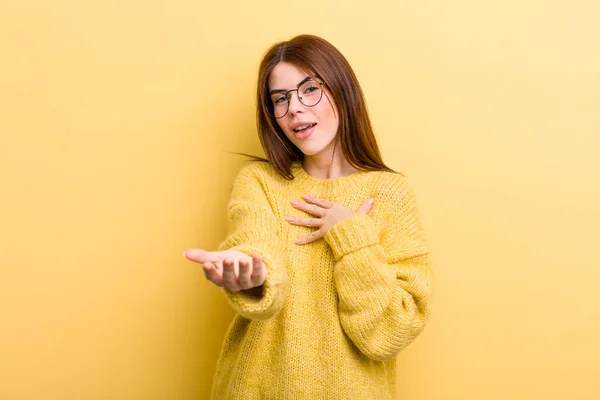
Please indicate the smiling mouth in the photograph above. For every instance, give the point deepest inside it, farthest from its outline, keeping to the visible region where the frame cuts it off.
(304, 127)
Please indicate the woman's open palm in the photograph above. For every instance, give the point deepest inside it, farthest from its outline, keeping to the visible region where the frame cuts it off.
(230, 269)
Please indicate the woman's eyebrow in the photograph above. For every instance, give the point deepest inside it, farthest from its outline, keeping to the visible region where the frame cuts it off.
(285, 90)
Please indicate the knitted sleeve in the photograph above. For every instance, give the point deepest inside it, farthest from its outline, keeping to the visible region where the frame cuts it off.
(383, 277)
(254, 229)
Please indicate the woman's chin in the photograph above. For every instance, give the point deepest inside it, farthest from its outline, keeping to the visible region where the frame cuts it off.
(310, 150)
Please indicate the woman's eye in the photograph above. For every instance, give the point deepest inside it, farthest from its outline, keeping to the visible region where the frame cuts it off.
(310, 89)
(279, 100)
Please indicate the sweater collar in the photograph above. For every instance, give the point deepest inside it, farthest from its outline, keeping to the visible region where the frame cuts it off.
(332, 185)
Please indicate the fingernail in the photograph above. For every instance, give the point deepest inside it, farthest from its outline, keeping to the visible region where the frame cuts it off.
(295, 202)
(371, 201)
(289, 219)
(184, 253)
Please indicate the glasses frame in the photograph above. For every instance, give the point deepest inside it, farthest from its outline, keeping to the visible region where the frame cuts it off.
(289, 97)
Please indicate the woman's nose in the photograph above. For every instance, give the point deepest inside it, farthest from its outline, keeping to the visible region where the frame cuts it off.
(295, 103)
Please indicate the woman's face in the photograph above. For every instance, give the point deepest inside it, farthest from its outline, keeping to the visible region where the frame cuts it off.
(318, 139)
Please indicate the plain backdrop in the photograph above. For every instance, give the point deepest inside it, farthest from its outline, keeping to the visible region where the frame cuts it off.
(117, 120)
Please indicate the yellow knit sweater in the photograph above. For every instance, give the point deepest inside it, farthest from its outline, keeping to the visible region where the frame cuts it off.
(332, 314)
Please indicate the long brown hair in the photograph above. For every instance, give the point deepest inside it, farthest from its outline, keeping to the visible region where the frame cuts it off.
(355, 133)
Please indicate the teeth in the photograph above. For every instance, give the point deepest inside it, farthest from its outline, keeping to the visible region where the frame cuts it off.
(301, 128)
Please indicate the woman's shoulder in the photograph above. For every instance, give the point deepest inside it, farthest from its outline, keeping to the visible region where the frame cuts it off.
(256, 173)
(256, 169)
(388, 181)
(392, 191)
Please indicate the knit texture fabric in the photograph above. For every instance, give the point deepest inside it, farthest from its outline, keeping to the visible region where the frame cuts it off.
(332, 314)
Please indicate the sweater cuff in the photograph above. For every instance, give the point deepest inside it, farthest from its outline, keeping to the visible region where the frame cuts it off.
(246, 302)
(352, 234)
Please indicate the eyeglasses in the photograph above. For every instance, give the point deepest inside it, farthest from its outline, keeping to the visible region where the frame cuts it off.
(309, 93)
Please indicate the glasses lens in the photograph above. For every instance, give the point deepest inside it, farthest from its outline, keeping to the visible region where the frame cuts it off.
(279, 105)
(310, 93)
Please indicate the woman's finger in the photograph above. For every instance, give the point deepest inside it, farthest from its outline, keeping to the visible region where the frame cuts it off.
(318, 201)
(310, 222)
(259, 271)
(207, 266)
(244, 280)
(366, 206)
(309, 208)
(201, 256)
(310, 237)
(211, 273)
(229, 279)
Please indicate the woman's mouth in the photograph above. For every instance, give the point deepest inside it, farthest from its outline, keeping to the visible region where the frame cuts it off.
(304, 131)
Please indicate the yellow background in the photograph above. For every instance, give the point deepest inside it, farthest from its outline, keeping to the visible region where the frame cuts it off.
(116, 119)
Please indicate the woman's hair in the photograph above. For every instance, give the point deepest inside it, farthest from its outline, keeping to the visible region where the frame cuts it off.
(317, 56)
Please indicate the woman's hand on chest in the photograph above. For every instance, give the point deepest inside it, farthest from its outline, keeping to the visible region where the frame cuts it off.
(326, 214)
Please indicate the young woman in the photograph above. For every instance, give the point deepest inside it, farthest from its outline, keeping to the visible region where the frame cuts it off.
(325, 261)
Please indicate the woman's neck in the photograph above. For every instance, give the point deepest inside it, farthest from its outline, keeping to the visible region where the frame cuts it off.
(327, 168)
